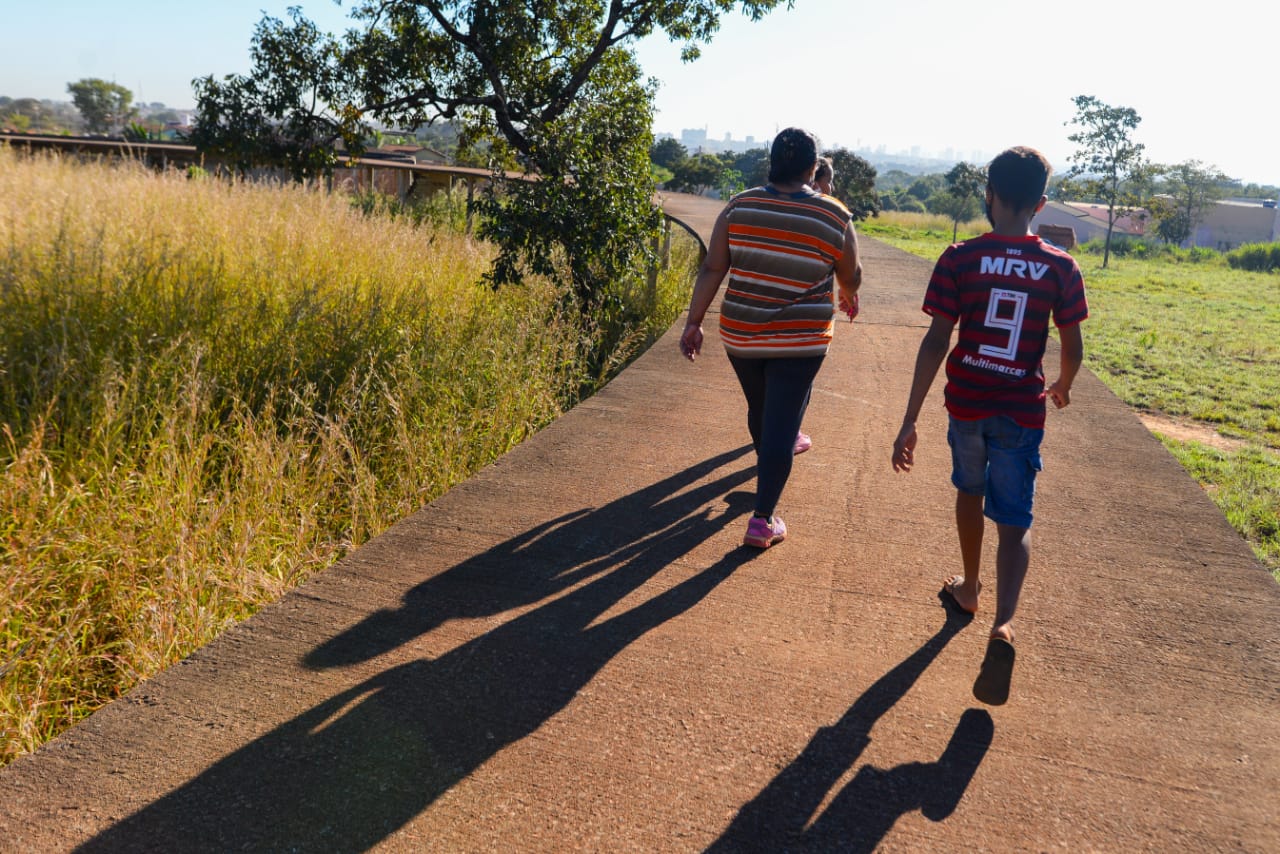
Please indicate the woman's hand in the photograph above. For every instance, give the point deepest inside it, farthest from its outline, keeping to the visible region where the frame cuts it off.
(691, 340)
(849, 303)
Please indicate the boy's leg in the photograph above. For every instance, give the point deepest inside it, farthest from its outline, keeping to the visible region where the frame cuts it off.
(970, 526)
(1011, 486)
(969, 476)
(1013, 556)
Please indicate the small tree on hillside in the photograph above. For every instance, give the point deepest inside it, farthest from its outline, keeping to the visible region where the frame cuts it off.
(1107, 155)
(962, 200)
(102, 105)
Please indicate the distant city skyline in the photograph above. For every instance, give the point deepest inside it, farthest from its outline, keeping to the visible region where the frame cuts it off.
(695, 139)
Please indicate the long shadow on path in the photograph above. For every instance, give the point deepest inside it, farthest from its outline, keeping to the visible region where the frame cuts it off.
(546, 560)
(353, 769)
(785, 815)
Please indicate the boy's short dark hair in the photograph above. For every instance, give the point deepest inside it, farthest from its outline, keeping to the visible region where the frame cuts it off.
(1019, 176)
(793, 153)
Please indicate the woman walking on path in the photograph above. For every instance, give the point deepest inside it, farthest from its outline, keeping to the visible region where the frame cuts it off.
(784, 247)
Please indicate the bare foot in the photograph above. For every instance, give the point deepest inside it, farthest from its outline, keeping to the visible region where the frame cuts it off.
(1005, 632)
(966, 599)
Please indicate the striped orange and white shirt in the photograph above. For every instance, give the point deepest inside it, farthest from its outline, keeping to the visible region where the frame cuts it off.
(783, 248)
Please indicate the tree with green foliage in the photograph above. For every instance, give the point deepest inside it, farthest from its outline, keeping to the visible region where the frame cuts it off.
(17, 121)
(967, 181)
(955, 207)
(925, 186)
(549, 84)
(752, 165)
(1256, 191)
(668, 152)
(698, 174)
(593, 200)
(894, 179)
(102, 105)
(855, 183)
(1190, 190)
(1107, 155)
(963, 197)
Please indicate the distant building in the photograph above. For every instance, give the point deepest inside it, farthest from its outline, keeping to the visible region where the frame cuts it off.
(1227, 225)
(1231, 224)
(1090, 221)
(693, 139)
(415, 153)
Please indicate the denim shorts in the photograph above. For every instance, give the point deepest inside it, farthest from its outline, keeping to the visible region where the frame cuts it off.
(998, 458)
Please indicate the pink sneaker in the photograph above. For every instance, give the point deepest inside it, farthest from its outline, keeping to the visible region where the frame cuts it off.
(803, 443)
(763, 533)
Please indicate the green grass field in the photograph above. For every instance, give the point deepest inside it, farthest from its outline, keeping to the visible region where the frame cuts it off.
(1185, 336)
(210, 391)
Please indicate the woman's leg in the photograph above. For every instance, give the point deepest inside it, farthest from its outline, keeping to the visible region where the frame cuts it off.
(787, 383)
(751, 376)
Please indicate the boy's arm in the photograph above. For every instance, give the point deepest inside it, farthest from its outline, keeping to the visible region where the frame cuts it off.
(933, 349)
(1072, 357)
(710, 274)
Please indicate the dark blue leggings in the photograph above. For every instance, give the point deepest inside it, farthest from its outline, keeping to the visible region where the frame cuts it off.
(777, 393)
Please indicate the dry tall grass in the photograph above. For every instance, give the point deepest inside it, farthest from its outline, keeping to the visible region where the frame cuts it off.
(209, 391)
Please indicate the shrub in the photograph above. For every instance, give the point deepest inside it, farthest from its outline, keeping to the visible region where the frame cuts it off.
(136, 132)
(1257, 257)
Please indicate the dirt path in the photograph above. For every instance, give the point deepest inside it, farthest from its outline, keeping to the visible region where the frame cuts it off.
(571, 652)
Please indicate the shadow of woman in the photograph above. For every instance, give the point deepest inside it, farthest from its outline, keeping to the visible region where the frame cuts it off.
(351, 770)
(784, 816)
(545, 560)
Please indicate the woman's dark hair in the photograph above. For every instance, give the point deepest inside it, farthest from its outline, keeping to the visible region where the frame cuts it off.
(792, 155)
(1019, 176)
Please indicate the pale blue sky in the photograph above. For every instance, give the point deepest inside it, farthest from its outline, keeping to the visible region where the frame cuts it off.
(937, 74)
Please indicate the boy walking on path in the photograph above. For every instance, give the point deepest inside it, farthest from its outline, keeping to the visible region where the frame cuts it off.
(1002, 288)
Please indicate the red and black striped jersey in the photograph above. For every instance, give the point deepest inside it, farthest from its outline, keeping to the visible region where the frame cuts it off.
(1003, 292)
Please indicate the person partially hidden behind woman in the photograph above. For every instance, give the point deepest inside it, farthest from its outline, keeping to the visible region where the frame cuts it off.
(824, 182)
(824, 176)
(785, 248)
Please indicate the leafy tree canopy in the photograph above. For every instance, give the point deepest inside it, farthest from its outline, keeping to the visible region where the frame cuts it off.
(925, 186)
(967, 181)
(101, 104)
(962, 199)
(668, 152)
(508, 68)
(698, 174)
(752, 165)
